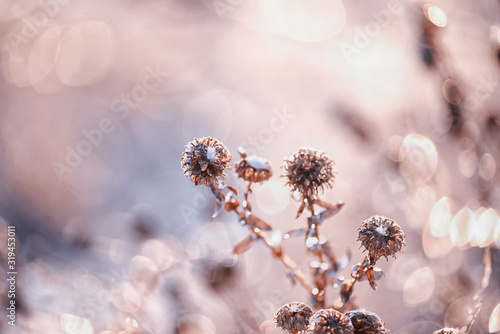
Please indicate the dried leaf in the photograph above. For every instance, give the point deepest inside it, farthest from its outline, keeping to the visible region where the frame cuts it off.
(218, 208)
(346, 291)
(232, 189)
(354, 269)
(378, 273)
(371, 278)
(301, 209)
(333, 207)
(355, 274)
(219, 196)
(373, 275)
(330, 276)
(231, 202)
(330, 210)
(344, 261)
(326, 249)
(231, 206)
(255, 221)
(244, 245)
(322, 216)
(295, 233)
(311, 221)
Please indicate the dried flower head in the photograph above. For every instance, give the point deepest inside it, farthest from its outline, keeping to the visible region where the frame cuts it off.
(447, 331)
(293, 317)
(330, 321)
(381, 236)
(204, 160)
(366, 322)
(309, 170)
(253, 168)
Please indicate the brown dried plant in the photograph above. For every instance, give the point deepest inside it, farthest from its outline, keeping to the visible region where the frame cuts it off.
(307, 171)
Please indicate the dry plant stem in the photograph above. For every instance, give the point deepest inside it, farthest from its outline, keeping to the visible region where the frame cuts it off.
(277, 253)
(343, 305)
(359, 273)
(485, 281)
(316, 219)
(313, 231)
(319, 280)
(246, 204)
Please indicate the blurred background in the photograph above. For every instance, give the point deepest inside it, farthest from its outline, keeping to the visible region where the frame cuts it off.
(99, 98)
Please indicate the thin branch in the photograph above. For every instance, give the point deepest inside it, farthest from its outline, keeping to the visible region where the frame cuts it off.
(485, 281)
(247, 217)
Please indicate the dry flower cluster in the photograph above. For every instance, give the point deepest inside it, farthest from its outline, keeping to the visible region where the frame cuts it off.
(307, 171)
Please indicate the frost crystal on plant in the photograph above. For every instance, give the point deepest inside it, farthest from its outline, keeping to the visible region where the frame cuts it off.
(204, 160)
(293, 317)
(308, 171)
(381, 236)
(330, 321)
(253, 168)
(366, 322)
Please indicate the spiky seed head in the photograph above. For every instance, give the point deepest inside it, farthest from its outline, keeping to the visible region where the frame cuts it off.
(329, 321)
(308, 171)
(381, 236)
(366, 322)
(293, 317)
(205, 160)
(253, 168)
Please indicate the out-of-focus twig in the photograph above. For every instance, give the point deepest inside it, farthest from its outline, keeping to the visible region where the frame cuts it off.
(485, 281)
(255, 225)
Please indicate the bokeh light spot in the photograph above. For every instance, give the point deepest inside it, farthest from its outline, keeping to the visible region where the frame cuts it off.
(72, 324)
(452, 91)
(440, 218)
(462, 227)
(419, 287)
(208, 112)
(305, 20)
(418, 157)
(144, 272)
(195, 323)
(435, 247)
(84, 54)
(485, 227)
(435, 14)
(468, 162)
(487, 167)
(459, 312)
(272, 197)
(494, 323)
